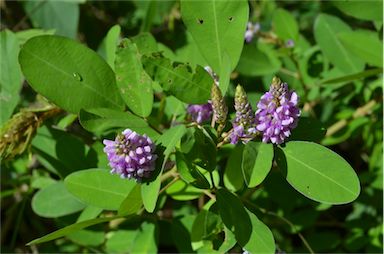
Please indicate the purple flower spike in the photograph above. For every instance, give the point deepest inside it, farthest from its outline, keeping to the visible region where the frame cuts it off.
(200, 113)
(277, 112)
(131, 155)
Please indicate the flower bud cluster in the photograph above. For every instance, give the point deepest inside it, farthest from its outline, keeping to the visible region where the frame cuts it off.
(131, 155)
(243, 126)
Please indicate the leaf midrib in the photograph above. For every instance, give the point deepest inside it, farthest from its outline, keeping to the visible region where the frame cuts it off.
(321, 174)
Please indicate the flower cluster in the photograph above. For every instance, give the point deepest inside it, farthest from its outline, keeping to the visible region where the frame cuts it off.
(243, 126)
(252, 30)
(200, 113)
(131, 155)
(277, 112)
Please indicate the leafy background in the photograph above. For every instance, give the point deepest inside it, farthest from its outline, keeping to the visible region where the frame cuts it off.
(335, 65)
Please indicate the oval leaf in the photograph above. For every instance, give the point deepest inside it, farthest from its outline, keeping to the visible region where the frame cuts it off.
(99, 188)
(69, 74)
(55, 201)
(318, 173)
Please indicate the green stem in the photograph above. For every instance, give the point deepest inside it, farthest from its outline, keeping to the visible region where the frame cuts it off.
(213, 182)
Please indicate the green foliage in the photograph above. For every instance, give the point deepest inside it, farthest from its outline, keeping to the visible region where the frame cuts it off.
(60, 100)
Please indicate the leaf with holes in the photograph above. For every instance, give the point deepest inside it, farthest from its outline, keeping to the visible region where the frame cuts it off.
(179, 80)
(133, 82)
(217, 27)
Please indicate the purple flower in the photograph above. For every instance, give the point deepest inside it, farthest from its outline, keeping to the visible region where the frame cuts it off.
(277, 113)
(200, 113)
(131, 155)
(251, 31)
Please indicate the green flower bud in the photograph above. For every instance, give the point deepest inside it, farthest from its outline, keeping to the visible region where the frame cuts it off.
(220, 109)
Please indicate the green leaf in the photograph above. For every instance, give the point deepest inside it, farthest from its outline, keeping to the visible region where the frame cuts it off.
(69, 74)
(217, 27)
(199, 149)
(63, 16)
(205, 224)
(10, 78)
(102, 120)
(99, 188)
(181, 237)
(133, 82)
(318, 173)
(364, 44)
(55, 201)
(132, 203)
(178, 79)
(150, 191)
(234, 216)
(327, 28)
(261, 237)
(366, 10)
(180, 190)
(285, 25)
(258, 59)
(256, 163)
(145, 240)
(107, 48)
(146, 43)
(352, 77)
(121, 241)
(233, 179)
(189, 173)
(70, 229)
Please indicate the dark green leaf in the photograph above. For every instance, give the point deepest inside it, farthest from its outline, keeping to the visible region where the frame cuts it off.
(189, 173)
(234, 216)
(256, 163)
(308, 129)
(69, 74)
(233, 177)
